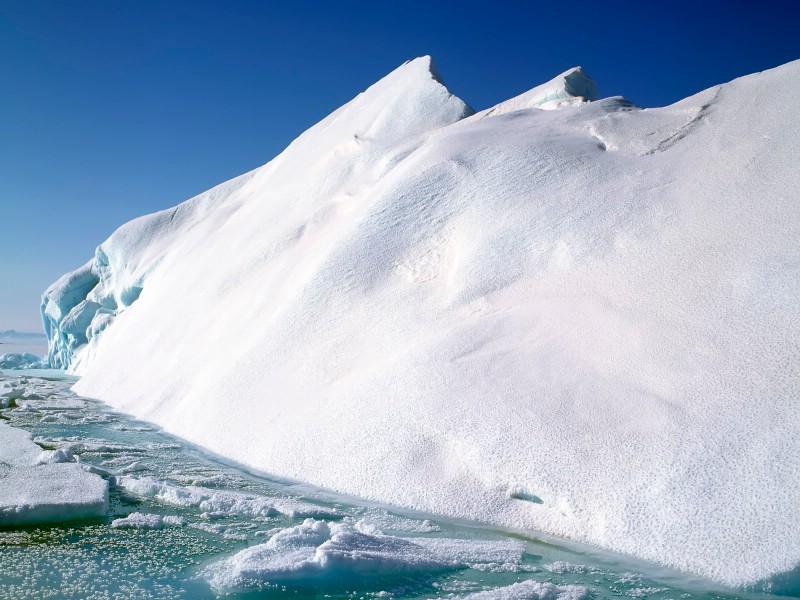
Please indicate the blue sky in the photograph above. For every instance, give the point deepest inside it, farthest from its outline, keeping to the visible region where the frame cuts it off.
(115, 109)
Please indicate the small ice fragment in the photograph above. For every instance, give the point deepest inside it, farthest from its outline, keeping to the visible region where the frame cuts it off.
(148, 521)
(533, 590)
(62, 455)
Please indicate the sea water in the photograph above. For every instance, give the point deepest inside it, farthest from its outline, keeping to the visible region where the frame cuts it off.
(185, 524)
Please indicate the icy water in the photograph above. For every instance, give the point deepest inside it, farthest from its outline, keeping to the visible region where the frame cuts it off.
(185, 524)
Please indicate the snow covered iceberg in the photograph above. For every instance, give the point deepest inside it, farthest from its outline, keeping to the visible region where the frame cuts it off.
(584, 321)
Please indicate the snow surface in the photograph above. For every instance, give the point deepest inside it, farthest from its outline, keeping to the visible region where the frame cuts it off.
(583, 321)
(44, 486)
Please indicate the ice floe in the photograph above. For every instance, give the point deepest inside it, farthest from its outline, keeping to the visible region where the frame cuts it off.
(217, 503)
(37, 489)
(533, 590)
(341, 552)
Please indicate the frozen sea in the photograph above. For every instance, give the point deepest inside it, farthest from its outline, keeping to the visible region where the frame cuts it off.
(182, 523)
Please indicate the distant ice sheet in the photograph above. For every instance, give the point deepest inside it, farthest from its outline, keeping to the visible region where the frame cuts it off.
(18, 342)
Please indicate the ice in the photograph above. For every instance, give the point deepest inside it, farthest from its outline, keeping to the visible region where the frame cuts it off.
(61, 455)
(55, 489)
(341, 552)
(571, 88)
(218, 503)
(21, 344)
(582, 321)
(533, 590)
(148, 521)
(387, 522)
(9, 393)
(24, 360)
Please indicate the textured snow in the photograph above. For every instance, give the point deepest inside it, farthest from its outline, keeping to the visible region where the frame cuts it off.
(324, 549)
(582, 321)
(44, 487)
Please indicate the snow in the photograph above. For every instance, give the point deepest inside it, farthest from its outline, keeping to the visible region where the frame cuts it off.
(44, 487)
(342, 551)
(582, 321)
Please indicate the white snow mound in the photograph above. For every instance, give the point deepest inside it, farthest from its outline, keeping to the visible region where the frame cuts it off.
(583, 321)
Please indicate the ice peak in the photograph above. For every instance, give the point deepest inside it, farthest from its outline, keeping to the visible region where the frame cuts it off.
(409, 101)
(422, 68)
(433, 69)
(577, 84)
(572, 87)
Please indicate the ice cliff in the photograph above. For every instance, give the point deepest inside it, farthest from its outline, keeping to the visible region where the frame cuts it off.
(583, 321)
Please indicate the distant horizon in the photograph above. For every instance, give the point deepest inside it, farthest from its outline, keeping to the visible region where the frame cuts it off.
(118, 111)
(8, 332)
(21, 342)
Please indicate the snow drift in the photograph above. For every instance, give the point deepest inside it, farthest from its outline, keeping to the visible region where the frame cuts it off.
(583, 321)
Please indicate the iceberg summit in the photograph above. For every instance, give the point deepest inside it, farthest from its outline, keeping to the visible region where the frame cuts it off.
(564, 314)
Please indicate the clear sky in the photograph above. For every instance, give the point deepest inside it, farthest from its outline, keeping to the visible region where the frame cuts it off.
(115, 109)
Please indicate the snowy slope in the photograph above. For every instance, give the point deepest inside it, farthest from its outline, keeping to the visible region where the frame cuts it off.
(583, 321)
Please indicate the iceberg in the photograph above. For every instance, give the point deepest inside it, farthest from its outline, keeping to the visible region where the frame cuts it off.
(21, 360)
(564, 314)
